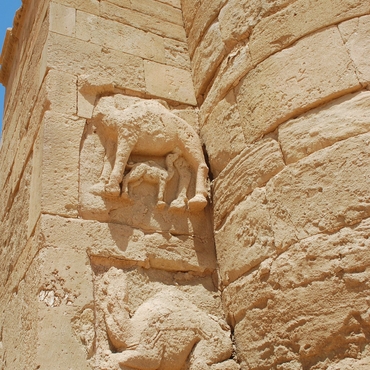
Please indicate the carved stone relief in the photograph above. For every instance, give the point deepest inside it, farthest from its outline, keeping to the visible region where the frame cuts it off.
(140, 160)
(158, 329)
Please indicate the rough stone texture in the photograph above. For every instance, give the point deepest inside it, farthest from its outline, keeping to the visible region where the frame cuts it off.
(293, 80)
(324, 126)
(300, 18)
(307, 308)
(304, 196)
(356, 35)
(116, 250)
(225, 122)
(255, 165)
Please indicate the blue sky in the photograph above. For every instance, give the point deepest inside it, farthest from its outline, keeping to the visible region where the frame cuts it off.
(8, 9)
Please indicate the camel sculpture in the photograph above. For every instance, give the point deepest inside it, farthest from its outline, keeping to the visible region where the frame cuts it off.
(151, 172)
(166, 332)
(146, 128)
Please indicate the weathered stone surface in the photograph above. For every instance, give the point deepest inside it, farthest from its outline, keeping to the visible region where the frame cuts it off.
(176, 53)
(299, 19)
(158, 10)
(169, 82)
(62, 19)
(291, 81)
(158, 250)
(252, 168)
(308, 308)
(100, 66)
(141, 21)
(205, 15)
(246, 238)
(107, 242)
(237, 19)
(323, 126)
(64, 290)
(120, 37)
(232, 69)
(189, 10)
(60, 165)
(303, 197)
(207, 58)
(356, 34)
(14, 212)
(61, 92)
(90, 6)
(224, 122)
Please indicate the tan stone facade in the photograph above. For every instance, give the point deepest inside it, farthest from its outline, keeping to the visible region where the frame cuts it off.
(117, 252)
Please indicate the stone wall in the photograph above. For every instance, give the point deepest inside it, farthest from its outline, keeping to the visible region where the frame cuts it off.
(100, 273)
(284, 104)
(82, 268)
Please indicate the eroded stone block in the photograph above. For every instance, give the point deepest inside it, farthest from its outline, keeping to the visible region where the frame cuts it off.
(60, 164)
(246, 238)
(62, 19)
(169, 82)
(97, 64)
(356, 34)
(222, 134)
(207, 58)
(300, 18)
(291, 81)
(306, 304)
(323, 126)
(252, 168)
(321, 193)
(120, 37)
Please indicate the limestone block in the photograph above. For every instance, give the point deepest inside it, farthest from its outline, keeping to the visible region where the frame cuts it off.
(237, 19)
(304, 197)
(246, 238)
(19, 318)
(159, 250)
(142, 21)
(15, 154)
(305, 305)
(356, 34)
(65, 295)
(281, 29)
(176, 53)
(232, 69)
(36, 183)
(169, 82)
(252, 168)
(99, 65)
(90, 6)
(62, 19)
(222, 134)
(158, 10)
(321, 127)
(120, 37)
(291, 81)
(60, 166)
(206, 14)
(189, 10)
(61, 92)
(15, 206)
(207, 58)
